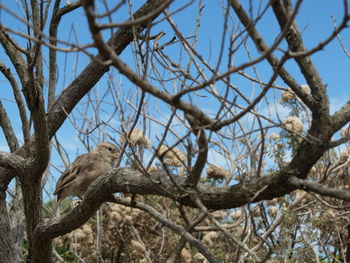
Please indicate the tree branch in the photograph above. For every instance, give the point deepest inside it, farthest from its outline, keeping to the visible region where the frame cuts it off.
(15, 56)
(7, 129)
(176, 228)
(95, 70)
(12, 162)
(55, 20)
(132, 181)
(341, 117)
(7, 244)
(319, 188)
(19, 101)
(272, 59)
(307, 67)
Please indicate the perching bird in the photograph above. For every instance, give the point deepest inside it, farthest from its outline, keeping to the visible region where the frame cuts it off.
(77, 178)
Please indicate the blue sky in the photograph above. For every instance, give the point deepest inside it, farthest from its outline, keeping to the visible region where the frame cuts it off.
(314, 20)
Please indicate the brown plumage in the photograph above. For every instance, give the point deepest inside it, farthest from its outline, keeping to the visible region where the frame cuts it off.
(76, 179)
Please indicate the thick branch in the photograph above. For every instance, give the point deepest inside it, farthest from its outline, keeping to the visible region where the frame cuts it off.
(12, 162)
(305, 63)
(195, 174)
(131, 181)
(34, 97)
(319, 188)
(7, 244)
(320, 131)
(341, 117)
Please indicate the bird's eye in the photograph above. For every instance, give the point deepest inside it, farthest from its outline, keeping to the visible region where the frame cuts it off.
(110, 149)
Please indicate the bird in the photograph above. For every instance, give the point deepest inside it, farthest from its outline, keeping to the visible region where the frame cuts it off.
(86, 168)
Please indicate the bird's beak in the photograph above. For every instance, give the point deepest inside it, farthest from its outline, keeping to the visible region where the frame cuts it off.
(115, 155)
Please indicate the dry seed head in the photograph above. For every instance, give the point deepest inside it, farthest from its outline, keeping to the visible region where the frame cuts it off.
(235, 215)
(219, 214)
(256, 211)
(287, 95)
(58, 242)
(210, 237)
(186, 255)
(272, 202)
(273, 211)
(275, 137)
(128, 219)
(87, 229)
(138, 246)
(153, 169)
(300, 194)
(345, 131)
(200, 258)
(216, 172)
(306, 89)
(80, 235)
(344, 156)
(137, 138)
(293, 123)
(173, 156)
(115, 216)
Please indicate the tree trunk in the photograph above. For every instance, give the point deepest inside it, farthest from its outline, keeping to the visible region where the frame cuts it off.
(7, 245)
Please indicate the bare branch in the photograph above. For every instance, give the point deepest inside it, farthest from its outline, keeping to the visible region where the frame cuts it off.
(15, 56)
(305, 63)
(262, 46)
(93, 72)
(319, 188)
(341, 117)
(20, 103)
(55, 20)
(7, 129)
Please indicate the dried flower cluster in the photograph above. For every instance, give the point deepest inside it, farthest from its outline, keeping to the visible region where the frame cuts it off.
(293, 123)
(216, 172)
(186, 256)
(344, 156)
(288, 94)
(219, 214)
(275, 137)
(81, 241)
(236, 215)
(200, 258)
(345, 131)
(153, 169)
(210, 238)
(172, 156)
(137, 138)
(273, 210)
(138, 249)
(122, 214)
(306, 89)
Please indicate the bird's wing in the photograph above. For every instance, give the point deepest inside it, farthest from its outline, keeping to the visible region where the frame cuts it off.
(83, 164)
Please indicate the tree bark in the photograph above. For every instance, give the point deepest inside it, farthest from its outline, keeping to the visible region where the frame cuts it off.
(7, 244)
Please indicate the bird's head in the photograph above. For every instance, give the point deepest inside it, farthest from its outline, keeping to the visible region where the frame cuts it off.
(108, 149)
